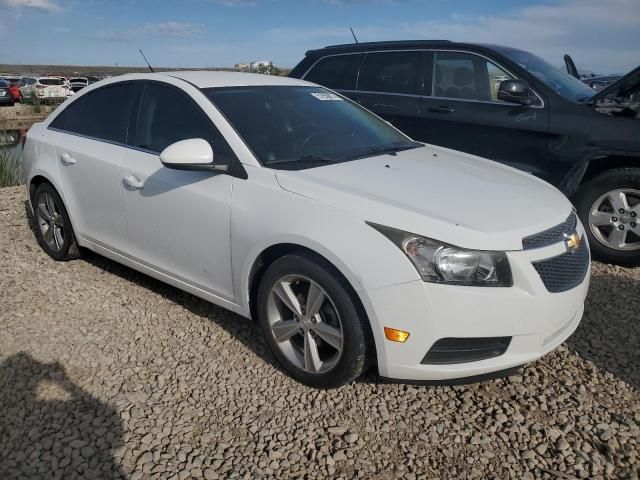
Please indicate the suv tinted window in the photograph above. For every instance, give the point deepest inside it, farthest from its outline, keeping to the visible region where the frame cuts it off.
(103, 114)
(467, 76)
(168, 115)
(337, 72)
(392, 72)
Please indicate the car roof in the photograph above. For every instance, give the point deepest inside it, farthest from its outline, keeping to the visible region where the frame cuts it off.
(398, 44)
(209, 79)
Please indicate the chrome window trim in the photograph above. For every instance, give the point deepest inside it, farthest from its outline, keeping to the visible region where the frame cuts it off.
(431, 50)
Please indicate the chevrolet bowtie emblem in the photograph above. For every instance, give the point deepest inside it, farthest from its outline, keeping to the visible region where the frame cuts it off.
(573, 241)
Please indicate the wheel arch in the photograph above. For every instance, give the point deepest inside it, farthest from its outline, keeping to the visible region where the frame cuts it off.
(606, 161)
(276, 251)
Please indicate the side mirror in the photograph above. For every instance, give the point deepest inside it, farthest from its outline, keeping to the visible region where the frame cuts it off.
(515, 91)
(190, 154)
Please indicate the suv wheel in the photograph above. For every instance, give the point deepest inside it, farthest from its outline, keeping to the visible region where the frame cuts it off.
(52, 225)
(310, 321)
(609, 207)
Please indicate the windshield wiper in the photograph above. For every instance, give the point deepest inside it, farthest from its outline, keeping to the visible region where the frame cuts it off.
(392, 148)
(305, 159)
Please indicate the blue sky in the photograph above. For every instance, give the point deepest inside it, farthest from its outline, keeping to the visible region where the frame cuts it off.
(601, 35)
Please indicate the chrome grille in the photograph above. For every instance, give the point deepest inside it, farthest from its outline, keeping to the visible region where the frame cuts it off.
(565, 271)
(551, 236)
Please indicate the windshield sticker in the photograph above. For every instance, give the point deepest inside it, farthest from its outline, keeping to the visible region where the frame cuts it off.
(326, 96)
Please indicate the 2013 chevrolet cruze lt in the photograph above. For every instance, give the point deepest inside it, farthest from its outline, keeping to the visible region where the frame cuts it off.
(280, 200)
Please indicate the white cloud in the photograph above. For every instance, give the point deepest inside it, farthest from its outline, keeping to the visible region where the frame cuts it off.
(48, 6)
(601, 36)
(151, 30)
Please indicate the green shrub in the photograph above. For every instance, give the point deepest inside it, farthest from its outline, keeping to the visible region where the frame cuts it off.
(10, 167)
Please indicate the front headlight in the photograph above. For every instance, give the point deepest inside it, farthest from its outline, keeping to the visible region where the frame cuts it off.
(439, 262)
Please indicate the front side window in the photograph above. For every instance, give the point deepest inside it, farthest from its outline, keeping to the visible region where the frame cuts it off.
(296, 127)
(102, 114)
(337, 72)
(560, 82)
(168, 115)
(467, 76)
(389, 72)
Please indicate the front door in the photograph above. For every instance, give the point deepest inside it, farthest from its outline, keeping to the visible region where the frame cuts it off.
(177, 221)
(463, 113)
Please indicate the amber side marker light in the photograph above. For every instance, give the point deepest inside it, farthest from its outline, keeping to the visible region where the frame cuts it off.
(396, 335)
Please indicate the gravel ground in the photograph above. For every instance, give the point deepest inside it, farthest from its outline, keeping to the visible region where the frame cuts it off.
(106, 373)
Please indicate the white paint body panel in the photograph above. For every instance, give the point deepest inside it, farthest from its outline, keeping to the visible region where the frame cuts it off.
(203, 231)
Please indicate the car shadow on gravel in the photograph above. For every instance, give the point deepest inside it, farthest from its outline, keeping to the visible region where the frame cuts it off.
(609, 334)
(50, 427)
(245, 330)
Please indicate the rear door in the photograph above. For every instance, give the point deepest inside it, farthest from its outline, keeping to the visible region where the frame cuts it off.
(178, 222)
(462, 112)
(89, 138)
(390, 84)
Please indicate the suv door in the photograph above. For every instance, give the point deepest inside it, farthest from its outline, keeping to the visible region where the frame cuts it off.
(463, 112)
(177, 221)
(89, 138)
(390, 84)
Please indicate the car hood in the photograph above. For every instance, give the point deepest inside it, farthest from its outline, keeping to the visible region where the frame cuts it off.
(438, 193)
(625, 86)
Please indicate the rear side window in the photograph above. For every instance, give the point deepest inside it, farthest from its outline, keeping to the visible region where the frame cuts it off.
(168, 115)
(50, 81)
(103, 114)
(337, 72)
(389, 72)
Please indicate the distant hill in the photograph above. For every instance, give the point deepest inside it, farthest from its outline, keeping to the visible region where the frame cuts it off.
(82, 70)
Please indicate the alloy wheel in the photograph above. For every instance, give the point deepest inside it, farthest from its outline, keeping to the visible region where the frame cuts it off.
(305, 324)
(50, 221)
(614, 219)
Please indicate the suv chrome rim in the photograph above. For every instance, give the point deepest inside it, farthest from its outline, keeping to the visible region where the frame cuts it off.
(50, 221)
(305, 324)
(613, 219)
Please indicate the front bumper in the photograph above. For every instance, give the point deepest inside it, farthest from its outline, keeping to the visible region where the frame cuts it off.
(537, 320)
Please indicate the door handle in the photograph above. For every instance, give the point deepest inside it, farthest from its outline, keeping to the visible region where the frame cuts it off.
(442, 109)
(67, 159)
(133, 182)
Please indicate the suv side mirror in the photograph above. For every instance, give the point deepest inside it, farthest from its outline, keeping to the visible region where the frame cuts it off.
(190, 154)
(515, 91)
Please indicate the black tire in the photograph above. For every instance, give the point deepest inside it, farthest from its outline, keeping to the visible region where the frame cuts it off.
(69, 249)
(588, 194)
(353, 358)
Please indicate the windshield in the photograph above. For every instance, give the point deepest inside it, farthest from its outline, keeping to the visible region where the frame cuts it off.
(561, 82)
(293, 127)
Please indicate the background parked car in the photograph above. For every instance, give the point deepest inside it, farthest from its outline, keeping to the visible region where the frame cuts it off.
(598, 83)
(5, 94)
(44, 88)
(93, 79)
(78, 83)
(539, 119)
(14, 87)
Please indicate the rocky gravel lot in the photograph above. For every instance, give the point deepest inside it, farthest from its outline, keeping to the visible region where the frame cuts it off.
(106, 373)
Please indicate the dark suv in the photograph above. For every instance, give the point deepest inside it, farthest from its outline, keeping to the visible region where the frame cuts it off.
(510, 106)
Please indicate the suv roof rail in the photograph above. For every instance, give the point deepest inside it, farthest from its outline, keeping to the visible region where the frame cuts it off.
(386, 42)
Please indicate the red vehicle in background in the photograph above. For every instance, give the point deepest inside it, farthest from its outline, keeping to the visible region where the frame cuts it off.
(14, 87)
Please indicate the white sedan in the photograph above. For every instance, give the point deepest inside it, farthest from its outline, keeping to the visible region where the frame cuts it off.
(353, 246)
